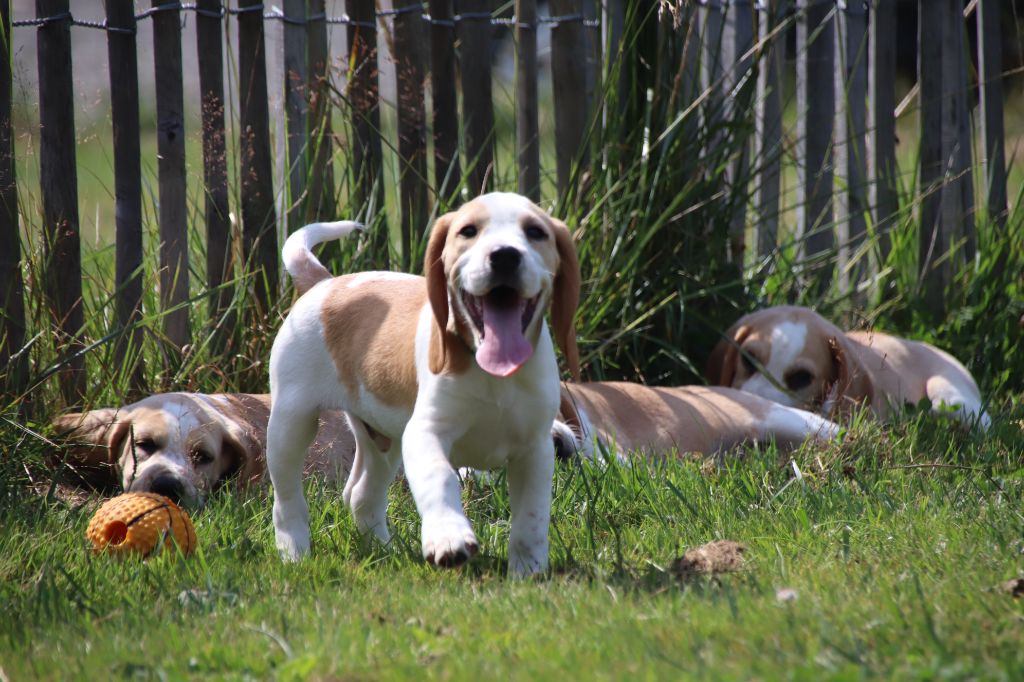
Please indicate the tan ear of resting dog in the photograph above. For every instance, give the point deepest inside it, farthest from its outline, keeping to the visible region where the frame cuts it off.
(185, 445)
(618, 417)
(794, 356)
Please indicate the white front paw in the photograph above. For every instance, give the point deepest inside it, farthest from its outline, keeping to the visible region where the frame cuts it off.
(292, 545)
(448, 542)
(292, 533)
(524, 559)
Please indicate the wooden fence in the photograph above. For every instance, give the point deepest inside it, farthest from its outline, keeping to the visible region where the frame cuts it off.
(844, 138)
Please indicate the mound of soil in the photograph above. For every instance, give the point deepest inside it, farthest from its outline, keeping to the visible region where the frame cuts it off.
(720, 556)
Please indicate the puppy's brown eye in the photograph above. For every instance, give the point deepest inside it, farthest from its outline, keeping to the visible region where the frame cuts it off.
(748, 364)
(468, 231)
(535, 233)
(798, 379)
(200, 457)
(146, 445)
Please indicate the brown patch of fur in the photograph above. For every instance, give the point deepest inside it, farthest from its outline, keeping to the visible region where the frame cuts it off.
(370, 332)
(722, 365)
(449, 354)
(852, 380)
(720, 556)
(566, 297)
(437, 292)
(687, 418)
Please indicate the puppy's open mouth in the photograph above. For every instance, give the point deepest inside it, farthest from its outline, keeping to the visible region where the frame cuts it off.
(500, 318)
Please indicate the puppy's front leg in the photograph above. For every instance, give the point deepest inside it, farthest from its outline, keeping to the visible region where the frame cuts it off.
(289, 433)
(448, 539)
(529, 489)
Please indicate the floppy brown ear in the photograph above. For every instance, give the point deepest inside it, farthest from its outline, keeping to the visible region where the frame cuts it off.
(852, 385)
(437, 288)
(91, 441)
(566, 297)
(721, 367)
(246, 459)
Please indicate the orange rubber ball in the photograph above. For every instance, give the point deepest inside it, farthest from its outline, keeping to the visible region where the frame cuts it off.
(140, 524)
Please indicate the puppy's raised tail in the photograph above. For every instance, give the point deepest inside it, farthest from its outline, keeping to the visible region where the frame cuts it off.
(299, 261)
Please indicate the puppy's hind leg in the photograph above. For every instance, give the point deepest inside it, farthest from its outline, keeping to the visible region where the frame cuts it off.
(289, 434)
(366, 492)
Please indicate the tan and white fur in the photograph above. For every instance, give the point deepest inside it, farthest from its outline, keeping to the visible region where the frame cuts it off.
(618, 419)
(794, 356)
(185, 445)
(454, 369)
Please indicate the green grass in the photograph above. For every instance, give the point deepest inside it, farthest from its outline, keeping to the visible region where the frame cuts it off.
(895, 543)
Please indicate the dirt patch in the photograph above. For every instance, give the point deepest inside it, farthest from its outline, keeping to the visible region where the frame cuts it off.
(720, 556)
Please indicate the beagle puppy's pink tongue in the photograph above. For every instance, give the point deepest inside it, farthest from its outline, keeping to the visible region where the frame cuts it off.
(504, 348)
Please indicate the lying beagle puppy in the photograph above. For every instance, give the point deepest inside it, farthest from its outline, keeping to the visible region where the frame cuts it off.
(454, 369)
(185, 445)
(796, 357)
(622, 418)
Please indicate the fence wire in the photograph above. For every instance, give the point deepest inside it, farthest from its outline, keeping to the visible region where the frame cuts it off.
(276, 14)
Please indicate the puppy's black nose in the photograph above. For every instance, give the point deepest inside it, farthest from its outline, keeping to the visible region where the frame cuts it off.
(168, 486)
(505, 260)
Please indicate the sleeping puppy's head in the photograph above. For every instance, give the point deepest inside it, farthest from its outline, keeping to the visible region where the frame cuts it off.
(493, 268)
(176, 444)
(793, 356)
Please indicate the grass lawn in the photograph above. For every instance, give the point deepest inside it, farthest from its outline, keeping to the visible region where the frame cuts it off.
(885, 557)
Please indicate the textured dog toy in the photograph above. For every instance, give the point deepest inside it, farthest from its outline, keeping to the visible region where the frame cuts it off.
(138, 523)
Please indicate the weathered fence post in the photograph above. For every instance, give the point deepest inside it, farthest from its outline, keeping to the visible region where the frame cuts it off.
(957, 130)
(259, 229)
(990, 78)
(527, 128)
(124, 103)
(364, 100)
(592, 40)
(219, 252)
(445, 115)
(477, 104)
(881, 124)
(568, 79)
(768, 132)
(728, 39)
(712, 19)
(613, 24)
(410, 53)
(170, 127)
(850, 196)
(934, 241)
(320, 202)
(946, 188)
(59, 187)
(296, 105)
(12, 302)
(815, 110)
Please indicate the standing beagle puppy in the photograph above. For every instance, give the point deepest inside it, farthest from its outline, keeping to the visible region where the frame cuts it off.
(621, 418)
(794, 356)
(454, 369)
(185, 445)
